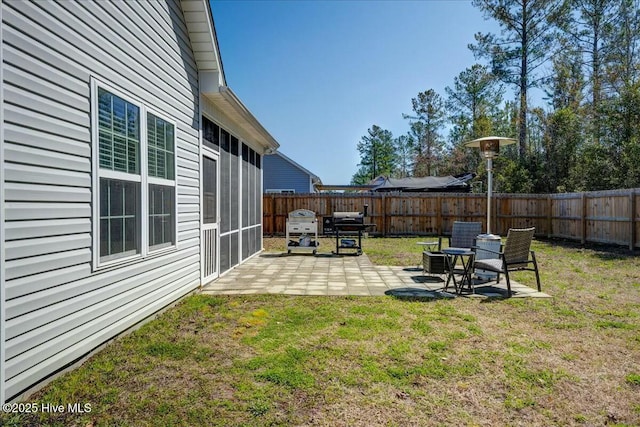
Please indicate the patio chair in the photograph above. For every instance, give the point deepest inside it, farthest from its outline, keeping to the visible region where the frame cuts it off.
(463, 236)
(514, 256)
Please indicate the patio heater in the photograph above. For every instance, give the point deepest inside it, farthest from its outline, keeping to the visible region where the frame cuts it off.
(489, 148)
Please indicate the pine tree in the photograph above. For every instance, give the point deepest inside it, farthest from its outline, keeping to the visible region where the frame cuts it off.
(377, 155)
(523, 46)
(426, 123)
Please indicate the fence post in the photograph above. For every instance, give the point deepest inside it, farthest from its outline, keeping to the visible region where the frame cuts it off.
(494, 213)
(384, 215)
(632, 219)
(273, 214)
(439, 214)
(584, 218)
(549, 218)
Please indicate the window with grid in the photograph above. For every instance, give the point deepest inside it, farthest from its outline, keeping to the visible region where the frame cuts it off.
(136, 179)
(120, 179)
(161, 161)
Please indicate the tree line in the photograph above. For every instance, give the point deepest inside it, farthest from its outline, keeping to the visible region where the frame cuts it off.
(585, 57)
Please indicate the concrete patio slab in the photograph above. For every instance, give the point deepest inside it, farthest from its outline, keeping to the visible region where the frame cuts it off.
(323, 274)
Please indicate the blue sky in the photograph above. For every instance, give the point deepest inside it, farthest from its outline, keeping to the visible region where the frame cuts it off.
(318, 74)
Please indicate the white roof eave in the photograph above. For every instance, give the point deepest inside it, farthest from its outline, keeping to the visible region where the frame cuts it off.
(213, 86)
(225, 99)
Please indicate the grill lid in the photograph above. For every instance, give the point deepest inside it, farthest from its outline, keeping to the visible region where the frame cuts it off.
(302, 215)
(348, 218)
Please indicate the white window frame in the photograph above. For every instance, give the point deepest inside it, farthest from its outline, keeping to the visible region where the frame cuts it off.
(162, 181)
(144, 179)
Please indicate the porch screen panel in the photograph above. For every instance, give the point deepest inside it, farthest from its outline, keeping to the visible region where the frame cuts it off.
(255, 239)
(245, 186)
(252, 186)
(225, 259)
(257, 206)
(210, 134)
(209, 189)
(235, 185)
(252, 236)
(225, 183)
(259, 237)
(235, 248)
(245, 244)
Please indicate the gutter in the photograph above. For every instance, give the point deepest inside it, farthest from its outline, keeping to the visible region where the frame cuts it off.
(235, 102)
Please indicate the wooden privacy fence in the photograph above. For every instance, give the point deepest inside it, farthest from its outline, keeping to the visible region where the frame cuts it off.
(598, 216)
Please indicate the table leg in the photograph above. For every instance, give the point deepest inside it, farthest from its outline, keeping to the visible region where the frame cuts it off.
(451, 274)
(466, 276)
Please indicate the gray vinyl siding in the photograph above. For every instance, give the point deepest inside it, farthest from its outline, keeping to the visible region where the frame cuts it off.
(57, 306)
(279, 174)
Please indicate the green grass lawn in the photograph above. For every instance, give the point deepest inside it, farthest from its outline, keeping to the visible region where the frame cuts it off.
(266, 360)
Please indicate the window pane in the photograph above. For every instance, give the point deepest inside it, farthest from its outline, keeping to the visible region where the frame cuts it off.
(130, 235)
(169, 164)
(118, 133)
(151, 130)
(106, 150)
(132, 157)
(157, 232)
(153, 170)
(131, 201)
(160, 135)
(119, 116)
(119, 218)
(116, 239)
(168, 136)
(104, 198)
(116, 202)
(104, 242)
(133, 119)
(104, 108)
(161, 170)
(161, 215)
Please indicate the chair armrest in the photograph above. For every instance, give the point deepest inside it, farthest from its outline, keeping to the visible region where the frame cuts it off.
(476, 248)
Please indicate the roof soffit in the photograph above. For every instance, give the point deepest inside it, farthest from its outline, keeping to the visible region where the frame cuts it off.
(204, 43)
(202, 33)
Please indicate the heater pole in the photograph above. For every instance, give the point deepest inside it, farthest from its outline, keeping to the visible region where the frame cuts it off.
(489, 190)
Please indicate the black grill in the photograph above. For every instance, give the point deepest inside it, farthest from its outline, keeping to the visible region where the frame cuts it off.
(347, 223)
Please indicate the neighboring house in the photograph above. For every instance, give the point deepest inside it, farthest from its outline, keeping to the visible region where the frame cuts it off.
(283, 175)
(431, 184)
(131, 174)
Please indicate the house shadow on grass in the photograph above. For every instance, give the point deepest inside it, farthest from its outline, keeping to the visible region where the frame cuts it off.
(604, 251)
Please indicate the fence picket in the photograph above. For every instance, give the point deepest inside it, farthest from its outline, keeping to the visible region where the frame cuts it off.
(597, 216)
